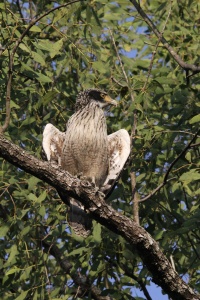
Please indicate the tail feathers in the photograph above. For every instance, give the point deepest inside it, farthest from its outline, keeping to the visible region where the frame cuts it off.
(78, 219)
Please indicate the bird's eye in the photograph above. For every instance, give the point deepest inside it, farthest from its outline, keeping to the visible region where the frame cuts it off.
(103, 95)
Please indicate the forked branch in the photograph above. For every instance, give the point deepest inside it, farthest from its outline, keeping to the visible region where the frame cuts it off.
(187, 67)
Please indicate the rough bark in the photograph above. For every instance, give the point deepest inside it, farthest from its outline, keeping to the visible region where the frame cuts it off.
(148, 249)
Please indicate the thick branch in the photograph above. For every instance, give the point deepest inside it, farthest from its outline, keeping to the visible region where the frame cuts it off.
(162, 272)
(187, 67)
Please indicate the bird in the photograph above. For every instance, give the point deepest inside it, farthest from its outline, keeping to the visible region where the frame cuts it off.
(87, 151)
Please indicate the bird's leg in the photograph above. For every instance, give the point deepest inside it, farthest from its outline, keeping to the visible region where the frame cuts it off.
(91, 180)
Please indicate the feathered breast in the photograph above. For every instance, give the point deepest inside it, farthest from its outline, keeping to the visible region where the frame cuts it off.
(85, 149)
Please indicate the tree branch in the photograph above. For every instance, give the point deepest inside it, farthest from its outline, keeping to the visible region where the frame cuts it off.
(178, 157)
(155, 190)
(166, 180)
(187, 67)
(147, 248)
(85, 287)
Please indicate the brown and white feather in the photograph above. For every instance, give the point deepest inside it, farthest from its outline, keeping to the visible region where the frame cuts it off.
(87, 151)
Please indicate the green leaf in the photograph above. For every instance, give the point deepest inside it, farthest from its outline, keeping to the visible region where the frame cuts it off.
(22, 296)
(37, 57)
(43, 45)
(56, 47)
(34, 28)
(3, 230)
(24, 48)
(80, 251)
(13, 104)
(42, 197)
(32, 197)
(32, 182)
(13, 253)
(25, 230)
(195, 119)
(2, 6)
(97, 232)
(42, 211)
(192, 175)
(12, 271)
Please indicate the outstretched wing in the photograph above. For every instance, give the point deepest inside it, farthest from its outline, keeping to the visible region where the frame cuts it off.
(119, 150)
(52, 143)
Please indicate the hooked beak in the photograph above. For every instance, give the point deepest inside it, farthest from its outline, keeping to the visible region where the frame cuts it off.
(109, 101)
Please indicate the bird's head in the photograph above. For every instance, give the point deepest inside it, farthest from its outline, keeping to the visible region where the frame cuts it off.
(94, 95)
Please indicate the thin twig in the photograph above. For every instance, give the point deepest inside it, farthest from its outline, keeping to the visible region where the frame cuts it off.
(133, 133)
(179, 156)
(156, 47)
(31, 9)
(187, 67)
(156, 190)
(8, 90)
(20, 12)
(12, 55)
(121, 65)
(194, 145)
(165, 181)
(135, 198)
(116, 81)
(83, 283)
(128, 273)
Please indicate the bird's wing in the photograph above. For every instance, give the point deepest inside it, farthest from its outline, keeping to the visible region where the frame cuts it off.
(52, 143)
(119, 150)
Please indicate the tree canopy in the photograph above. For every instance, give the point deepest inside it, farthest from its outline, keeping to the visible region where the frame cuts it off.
(146, 55)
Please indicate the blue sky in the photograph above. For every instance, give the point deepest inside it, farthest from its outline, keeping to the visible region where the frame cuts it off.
(155, 292)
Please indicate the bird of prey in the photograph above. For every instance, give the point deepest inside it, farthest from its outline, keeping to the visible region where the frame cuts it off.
(86, 150)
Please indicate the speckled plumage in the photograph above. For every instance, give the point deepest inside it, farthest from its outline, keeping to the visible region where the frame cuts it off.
(87, 151)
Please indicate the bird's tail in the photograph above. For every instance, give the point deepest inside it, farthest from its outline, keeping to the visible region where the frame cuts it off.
(79, 220)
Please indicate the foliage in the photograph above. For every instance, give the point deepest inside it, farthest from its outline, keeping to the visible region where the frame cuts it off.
(70, 49)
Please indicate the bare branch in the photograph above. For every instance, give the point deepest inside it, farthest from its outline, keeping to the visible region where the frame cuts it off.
(147, 248)
(187, 67)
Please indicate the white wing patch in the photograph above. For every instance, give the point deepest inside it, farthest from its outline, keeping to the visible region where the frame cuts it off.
(119, 150)
(52, 143)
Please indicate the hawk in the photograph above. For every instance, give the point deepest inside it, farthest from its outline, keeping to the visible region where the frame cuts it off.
(85, 150)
